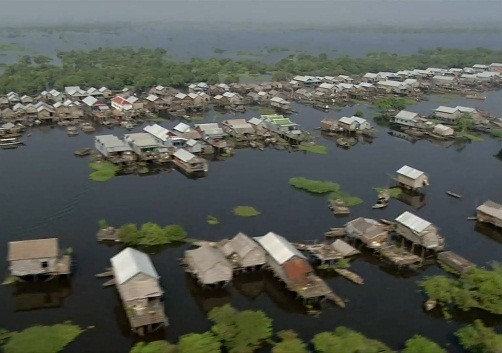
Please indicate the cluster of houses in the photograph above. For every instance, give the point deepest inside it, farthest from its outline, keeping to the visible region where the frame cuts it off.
(106, 106)
(352, 124)
(183, 143)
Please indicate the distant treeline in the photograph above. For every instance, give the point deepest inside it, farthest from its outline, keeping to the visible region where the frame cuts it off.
(143, 68)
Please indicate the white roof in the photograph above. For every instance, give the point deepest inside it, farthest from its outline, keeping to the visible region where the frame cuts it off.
(390, 83)
(406, 115)
(486, 74)
(443, 78)
(229, 94)
(448, 110)
(180, 96)
(159, 88)
(132, 99)
(370, 75)
(413, 222)
(255, 121)
(112, 143)
(279, 100)
(465, 109)
(191, 142)
(182, 127)
(158, 131)
(130, 262)
(409, 172)
(102, 89)
(278, 247)
(479, 66)
(442, 128)
(152, 98)
(89, 101)
(346, 120)
(327, 85)
(183, 155)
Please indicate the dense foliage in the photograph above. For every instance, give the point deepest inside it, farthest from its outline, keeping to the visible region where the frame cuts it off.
(199, 343)
(420, 344)
(290, 343)
(240, 331)
(246, 211)
(41, 339)
(314, 186)
(345, 340)
(478, 338)
(394, 103)
(154, 347)
(151, 234)
(479, 288)
(142, 68)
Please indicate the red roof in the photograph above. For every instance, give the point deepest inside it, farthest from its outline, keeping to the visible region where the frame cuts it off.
(121, 101)
(296, 270)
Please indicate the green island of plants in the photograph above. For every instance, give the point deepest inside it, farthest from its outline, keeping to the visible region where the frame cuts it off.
(40, 339)
(394, 103)
(479, 288)
(325, 187)
(151, 234)
(212, 220)
(393, 192)
(477, 338)
(246, 211)
(318, 149)
(103, 171)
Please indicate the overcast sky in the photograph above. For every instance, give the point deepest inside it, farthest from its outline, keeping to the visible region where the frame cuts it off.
(333, 12)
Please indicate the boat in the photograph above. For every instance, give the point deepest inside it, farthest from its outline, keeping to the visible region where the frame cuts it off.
(453, 194)
(475, 96)
(346, 142)
(83, 152)
(338, 207)
(71, 131)
(10, 143)
(87, 128)
(383, 200)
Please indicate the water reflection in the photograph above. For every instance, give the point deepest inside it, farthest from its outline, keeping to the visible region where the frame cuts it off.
(250, 284)
(41, 295)
(413, 199)
(205, 298)
(489, 231)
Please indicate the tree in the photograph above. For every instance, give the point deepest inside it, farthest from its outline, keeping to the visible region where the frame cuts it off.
(240, 332)
(478, 338)
(359, 113)
(344, 340)
(290, 343)
(175, 232)
(199, 343)
(420, 344)
(102, 224)
(154, 347)
(41, 60)
(128, 233)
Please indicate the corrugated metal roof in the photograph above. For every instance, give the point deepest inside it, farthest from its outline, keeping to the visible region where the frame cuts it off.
(33, 249)
(182, 127)
(412, 221)
(491, 208)
(129, 262)
(183, 155)
(278, 247)
(157, 131)
(404, 114)
(409, 172)
(448, 110)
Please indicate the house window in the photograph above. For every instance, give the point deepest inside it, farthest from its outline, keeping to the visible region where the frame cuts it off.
(44, 264)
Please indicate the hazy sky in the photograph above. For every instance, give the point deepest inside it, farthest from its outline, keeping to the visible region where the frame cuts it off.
(334, 12)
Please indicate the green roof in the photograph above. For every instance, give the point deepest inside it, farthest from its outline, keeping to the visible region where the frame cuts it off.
(282, 121)
(271, 117)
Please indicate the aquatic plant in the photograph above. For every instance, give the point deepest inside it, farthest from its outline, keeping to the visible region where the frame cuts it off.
(496, 133)
(319, 149)
(347, 199)
(393, 192)
(102, 224)
(314, 186)
(212, 220)
(397, 103)
(103, 171)
(477, 338)
(246, 211)
(42, 339)
(240, 331)
(345, 340)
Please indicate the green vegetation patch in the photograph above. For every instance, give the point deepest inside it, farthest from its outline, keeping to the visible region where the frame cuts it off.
(212, 220)
(151, 234)
(319, 149)
(477, 338)
(470, 136)
(199, 343)
(103, 171)
(42, 339)
(496, 133)
(154, 347)
(393, 192)
(397, 103)
(345, 340)
(246, 211)
(479, 288)
(240, 331)
(314, 186)
(420, 344)
(290, 343)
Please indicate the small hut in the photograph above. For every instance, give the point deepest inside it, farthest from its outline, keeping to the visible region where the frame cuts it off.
(243, 252)
(209, 265)
(138, 285)
(419, 231)
(37, 257)
(455, 261)
(490, 212)
(411, 178)
(367, 230)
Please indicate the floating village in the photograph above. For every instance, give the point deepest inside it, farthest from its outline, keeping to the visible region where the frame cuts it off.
(405, 242)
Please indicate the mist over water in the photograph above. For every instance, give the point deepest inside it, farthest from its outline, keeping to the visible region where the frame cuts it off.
(412, 13)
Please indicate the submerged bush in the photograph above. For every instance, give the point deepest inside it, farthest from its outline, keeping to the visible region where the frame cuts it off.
(103, 171)
(246, 211)
(151, 234)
